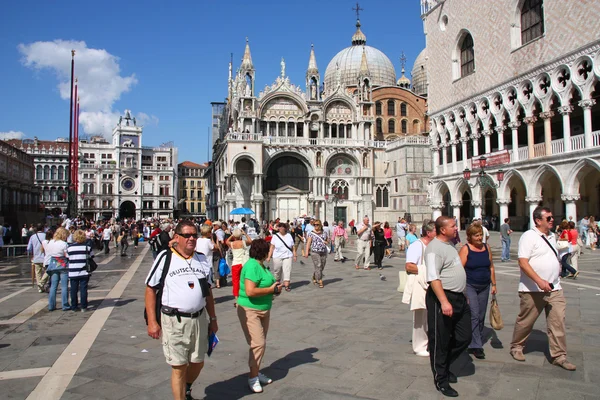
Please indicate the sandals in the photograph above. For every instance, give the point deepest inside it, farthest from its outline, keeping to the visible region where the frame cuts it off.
(288, 289)
(321, 284)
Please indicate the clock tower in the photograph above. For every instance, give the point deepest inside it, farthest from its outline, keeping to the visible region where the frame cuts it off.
(127, 142)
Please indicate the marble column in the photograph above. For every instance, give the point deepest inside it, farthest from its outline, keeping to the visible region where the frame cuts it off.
(570, 205)
(456, 212)
(268, 128)
(475, 136)
(533, 202)
(587, 121)
(464, 140)
(565, 111)
(547, 117)
(329, 130)
(503, 203)
(436, 159)
(277, 128)
(445, 158)
(477, 209)
(514, 127)
(530, 121)
(436, 210)
(454, 162)
(500, 132)
(488, 141)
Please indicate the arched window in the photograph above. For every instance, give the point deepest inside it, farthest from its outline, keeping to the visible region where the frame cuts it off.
(61, 173)
(39, 172)
(404, 126)
(382, 196)
(53, 194)
(416, 126)
(379, 126)
(53, 173)
(467, 56)
(391, 126)
(378, 201)
(532, 20)
(46, 172)
(110, 188)
(340, 188)
(378, 108)
(391, 108)
(91, 188)
(403, 110)
(386, 197)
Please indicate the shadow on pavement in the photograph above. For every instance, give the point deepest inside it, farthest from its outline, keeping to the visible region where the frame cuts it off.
(330, 281)
(491, 336)
(237, 387)
(538, 342)
(295, 285)
(115, 302)
(223, 299)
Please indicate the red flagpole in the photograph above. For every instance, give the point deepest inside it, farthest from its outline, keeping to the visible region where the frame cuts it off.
(74, 146)
(76, 152)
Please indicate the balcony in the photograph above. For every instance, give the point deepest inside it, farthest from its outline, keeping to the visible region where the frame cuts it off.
(302, 141)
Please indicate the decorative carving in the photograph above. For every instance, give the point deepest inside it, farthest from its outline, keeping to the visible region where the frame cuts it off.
(533, 199)
(500, 129)
(514, 124)
(565, 110)
(503, 202)
(464, 139)
(530, 120)
(570, 197)
(282, 67)
(456, 204)
(476, 203)
(588, 103)
(487, 133)
(434, 148)
(547, 115)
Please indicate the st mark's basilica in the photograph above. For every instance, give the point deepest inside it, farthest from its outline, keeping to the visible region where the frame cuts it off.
(350, 145)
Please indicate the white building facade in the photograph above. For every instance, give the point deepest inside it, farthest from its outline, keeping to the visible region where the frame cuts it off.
(324, 151)
(125, 179)
(517, 81)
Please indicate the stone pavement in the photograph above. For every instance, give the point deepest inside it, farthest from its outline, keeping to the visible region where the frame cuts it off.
(350, 340)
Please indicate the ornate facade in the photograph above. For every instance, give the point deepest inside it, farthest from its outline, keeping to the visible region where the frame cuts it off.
(325, 150)
(519, 80)
(192, 189)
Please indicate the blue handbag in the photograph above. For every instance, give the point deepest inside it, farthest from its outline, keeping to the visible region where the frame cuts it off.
(223, 268)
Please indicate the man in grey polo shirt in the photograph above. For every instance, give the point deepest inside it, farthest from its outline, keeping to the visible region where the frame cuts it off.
(448, 312)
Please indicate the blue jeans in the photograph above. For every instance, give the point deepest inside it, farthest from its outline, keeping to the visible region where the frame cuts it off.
(64, 290)
(79, 284)
(566, 266)
(505, 249)
(478, 296)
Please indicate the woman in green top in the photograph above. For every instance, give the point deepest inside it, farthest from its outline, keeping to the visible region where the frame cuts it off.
(257, 287)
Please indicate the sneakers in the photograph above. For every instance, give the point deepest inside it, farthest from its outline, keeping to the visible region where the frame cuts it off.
(423, 353)
(517, 355)
(565, 364)
(448, 391)
(254, 385)
(263, 379)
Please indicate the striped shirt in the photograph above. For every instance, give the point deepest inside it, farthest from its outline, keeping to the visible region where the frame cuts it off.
(77, 254)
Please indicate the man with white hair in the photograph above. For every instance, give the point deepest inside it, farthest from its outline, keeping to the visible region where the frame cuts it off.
(363, 244)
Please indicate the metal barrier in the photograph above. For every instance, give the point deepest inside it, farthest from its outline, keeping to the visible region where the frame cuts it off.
(14, 250)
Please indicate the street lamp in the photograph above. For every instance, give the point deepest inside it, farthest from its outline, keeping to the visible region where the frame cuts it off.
(483, 180)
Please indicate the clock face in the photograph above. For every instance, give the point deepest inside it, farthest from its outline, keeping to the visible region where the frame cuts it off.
(127, 184)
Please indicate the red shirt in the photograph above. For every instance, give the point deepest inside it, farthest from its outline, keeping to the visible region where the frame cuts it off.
(573, 235)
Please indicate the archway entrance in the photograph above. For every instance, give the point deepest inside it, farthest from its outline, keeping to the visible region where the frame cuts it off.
(551, 190)
(244, 170)
(287, 186)
(127, 210)
(589, 192)
(466, 210)
(517, 208)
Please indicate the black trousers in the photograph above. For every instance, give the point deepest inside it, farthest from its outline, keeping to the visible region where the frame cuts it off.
(448, 336)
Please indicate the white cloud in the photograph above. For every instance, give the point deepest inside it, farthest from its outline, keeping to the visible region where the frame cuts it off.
(99, 78)
(11, 135)
(145, 119)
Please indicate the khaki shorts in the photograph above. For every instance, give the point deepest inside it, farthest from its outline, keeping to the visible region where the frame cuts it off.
(402, 241)
(186, 341)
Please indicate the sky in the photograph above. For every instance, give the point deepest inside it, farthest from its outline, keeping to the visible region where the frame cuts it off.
(167, 61)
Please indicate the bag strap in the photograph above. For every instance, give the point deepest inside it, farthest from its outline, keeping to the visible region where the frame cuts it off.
(549, 245)
(284, 243)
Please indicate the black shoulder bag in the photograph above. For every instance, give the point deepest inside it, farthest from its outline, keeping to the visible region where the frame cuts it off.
(90, 264)
(284, 243)
(160, 287)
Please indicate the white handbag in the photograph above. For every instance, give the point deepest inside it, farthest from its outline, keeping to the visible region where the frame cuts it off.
(402, 277)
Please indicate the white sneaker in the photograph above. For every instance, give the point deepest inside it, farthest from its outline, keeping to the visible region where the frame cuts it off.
(423, 353)
(263, 379)
(254, 385)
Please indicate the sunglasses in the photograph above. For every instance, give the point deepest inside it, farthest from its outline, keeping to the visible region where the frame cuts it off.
(188, 235)
(550, 218)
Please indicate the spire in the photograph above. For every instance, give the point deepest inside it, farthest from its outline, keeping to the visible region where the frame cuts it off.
(312, 62)
(247, 60)
(358, 38)
(403, 81)
(364, 65)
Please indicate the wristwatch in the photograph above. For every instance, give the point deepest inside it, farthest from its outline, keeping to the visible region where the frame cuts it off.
(213, 318)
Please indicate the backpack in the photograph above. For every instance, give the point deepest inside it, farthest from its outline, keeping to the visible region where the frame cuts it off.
(155, 243)
(160, 287)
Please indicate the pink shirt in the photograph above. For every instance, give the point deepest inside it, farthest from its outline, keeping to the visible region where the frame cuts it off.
(387, 233)
(339, 231)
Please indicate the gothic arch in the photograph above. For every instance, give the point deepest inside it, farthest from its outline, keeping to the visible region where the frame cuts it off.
(353, 160)
(331, 101)
(510, 178)
(577, 173)
(302, 157)
(440, 190)
(535, 186)
(273, 96)
(246, 156)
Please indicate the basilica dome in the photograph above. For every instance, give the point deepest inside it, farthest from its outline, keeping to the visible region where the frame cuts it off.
(419, 74)
(349, 61)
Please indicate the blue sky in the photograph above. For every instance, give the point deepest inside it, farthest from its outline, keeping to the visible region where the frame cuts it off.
(166, 61)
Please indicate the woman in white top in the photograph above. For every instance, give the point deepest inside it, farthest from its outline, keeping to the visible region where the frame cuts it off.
(205, 245)
(57, 248)
(282, 250)
(238, 242)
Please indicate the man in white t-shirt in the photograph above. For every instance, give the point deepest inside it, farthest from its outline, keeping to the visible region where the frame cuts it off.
(106, 237)
(416, 288)
(363, 246)
(539, 289)
(186, 301)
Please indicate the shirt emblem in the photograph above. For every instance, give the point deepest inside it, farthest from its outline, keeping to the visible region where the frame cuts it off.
(191, 284)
